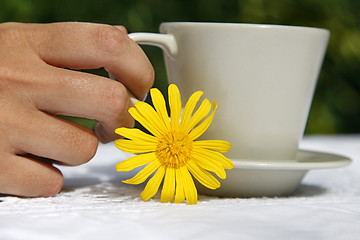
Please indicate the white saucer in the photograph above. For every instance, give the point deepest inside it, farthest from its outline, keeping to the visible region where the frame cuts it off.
(275, 178)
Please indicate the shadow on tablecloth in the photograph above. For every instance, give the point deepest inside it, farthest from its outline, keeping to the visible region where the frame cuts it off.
(105, 181)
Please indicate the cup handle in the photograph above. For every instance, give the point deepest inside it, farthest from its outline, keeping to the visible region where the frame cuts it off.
(166, 42)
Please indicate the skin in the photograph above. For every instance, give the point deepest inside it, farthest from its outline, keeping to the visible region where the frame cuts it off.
(37, 82)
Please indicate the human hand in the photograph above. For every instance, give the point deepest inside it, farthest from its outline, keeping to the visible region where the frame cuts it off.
(37, 83)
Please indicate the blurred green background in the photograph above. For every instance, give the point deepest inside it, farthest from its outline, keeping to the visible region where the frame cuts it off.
(336, 105)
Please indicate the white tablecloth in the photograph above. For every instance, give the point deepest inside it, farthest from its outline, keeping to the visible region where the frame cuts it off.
(94, 204)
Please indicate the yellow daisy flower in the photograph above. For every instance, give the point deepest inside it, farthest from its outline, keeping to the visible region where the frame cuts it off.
(171, 150)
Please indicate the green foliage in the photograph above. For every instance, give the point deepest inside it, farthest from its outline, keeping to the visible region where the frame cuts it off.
(336, 106)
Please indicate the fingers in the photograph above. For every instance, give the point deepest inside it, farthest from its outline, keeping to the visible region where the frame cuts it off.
(32, 79)
(82, 45)
(122, 28)
(53, 138)
(85, 95)
(28, 177)
(86, 46)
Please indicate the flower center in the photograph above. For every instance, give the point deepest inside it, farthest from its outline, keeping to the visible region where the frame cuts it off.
(174, 149)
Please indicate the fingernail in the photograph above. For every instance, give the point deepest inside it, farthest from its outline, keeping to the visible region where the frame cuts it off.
(132, 98)
(145, 97)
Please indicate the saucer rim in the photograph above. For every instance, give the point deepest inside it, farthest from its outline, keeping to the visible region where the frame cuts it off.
(340, 161)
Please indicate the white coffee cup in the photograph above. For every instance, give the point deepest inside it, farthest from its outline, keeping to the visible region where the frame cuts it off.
(262, 76)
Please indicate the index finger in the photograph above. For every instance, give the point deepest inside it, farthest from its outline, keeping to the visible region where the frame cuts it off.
(90, 46)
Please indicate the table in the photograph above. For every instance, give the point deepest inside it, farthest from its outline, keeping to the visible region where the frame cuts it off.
(94, 204)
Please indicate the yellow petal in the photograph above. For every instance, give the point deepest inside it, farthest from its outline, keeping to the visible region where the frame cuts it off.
(196, 132)
(215, 145)
(135, 161)
(204, 177)
(144, 174)
(175, 105)
(134, 112)
(168, 191)
(200, 113)
(189, 186)
(189, 107)
(148, 112)
(208, 164)
(160, 106)
(179, 194)
(135, 134)
(130, 146)
(153, 185)
(215, 157)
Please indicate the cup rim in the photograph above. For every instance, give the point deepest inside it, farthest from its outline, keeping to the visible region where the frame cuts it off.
(247, 25)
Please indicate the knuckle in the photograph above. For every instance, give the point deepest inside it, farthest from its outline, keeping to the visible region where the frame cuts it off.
(109, 39)
(115, 98)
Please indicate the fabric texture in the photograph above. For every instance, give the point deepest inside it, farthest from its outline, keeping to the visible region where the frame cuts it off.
(95, 204)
